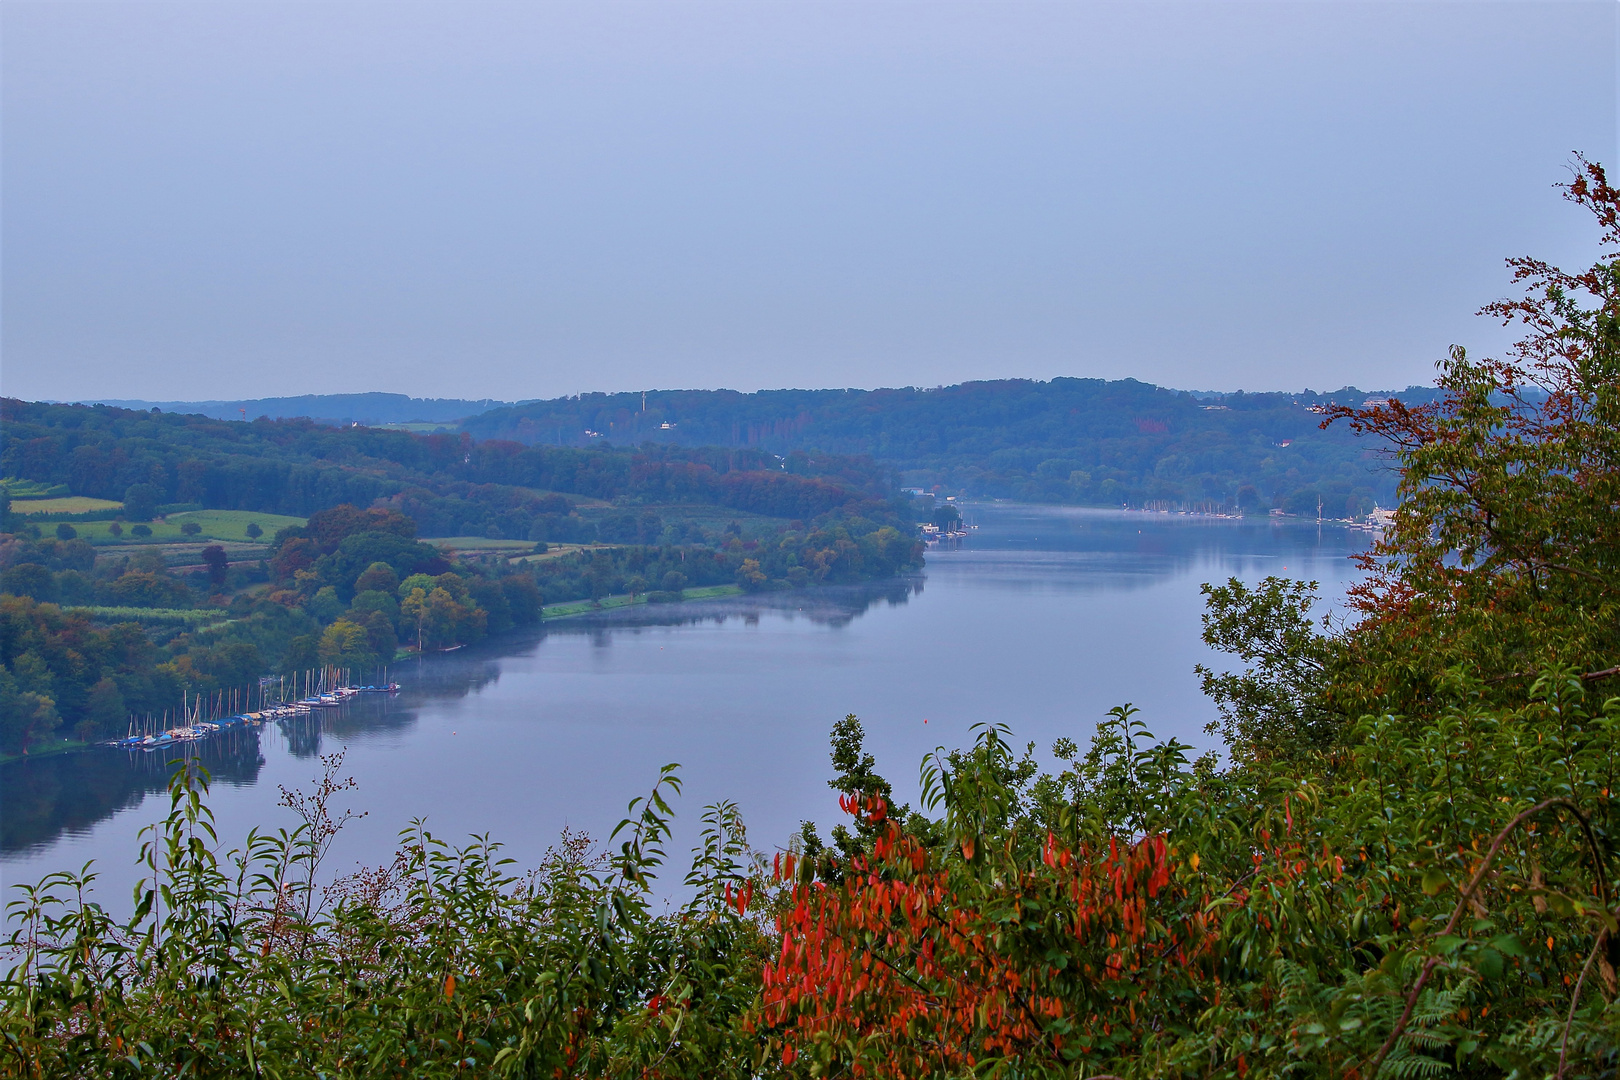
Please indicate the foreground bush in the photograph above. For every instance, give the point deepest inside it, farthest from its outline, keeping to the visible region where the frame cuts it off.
(443, 963)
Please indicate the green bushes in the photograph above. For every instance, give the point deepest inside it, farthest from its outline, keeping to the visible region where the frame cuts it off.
(443, 963)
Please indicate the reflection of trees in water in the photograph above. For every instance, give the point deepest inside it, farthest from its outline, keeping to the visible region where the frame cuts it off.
(828, 605)
(1070, 550)
(42, 798)
(437, 678)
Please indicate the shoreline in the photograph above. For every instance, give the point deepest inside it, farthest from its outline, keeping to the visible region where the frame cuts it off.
(573, 608)
(64, 746)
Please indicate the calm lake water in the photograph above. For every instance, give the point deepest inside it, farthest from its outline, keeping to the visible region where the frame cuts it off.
(1042, 619)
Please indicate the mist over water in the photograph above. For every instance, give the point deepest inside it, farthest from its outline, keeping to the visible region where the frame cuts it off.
(1042, 619)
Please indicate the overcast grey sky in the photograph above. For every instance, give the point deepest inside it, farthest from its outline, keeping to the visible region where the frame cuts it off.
(519, 200)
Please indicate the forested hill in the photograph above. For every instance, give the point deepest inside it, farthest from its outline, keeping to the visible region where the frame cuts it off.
(1085, 441)
(449, 485)
(1067, 440)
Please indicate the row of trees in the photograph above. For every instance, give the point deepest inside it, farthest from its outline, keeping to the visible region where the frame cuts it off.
(845, 551)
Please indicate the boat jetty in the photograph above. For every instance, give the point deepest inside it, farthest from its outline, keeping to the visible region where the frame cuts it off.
(277, 698)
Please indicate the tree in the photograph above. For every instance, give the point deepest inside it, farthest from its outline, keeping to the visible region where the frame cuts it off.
(523, 598)
(750, 576)
(346, 644)
(253, 530)
(293, 553)
(328, 528)
(1504, 555)
(115, 530)
(214, 557)
(32, 580)
(414, 608)
(64, 531)
(1276, 706)
(383, 642)
(26, 717)
(325, 604)
(379, 576)
(141, 531)
(190, 528)
(141, 502)
(104, 712)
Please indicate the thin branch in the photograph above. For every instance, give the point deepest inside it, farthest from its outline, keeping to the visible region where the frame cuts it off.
(1574, 1000)
(1586, 677)
(1468, 895)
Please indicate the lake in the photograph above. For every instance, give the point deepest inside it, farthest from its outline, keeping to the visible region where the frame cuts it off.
(1042, 619)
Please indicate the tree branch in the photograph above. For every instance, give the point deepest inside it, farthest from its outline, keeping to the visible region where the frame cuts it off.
(1468, 895)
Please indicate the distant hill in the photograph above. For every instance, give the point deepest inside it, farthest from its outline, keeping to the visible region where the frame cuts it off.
(371, 409)
(448, 484)
(1087, 441)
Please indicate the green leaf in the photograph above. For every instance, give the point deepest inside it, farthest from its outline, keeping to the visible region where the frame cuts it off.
(1509, 945)
(1435, 881)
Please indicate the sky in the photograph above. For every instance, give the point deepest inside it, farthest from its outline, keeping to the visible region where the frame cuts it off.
(231, 199)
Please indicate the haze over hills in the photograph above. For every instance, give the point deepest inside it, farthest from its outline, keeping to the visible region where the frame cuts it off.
(372, 409)
(1085, 441)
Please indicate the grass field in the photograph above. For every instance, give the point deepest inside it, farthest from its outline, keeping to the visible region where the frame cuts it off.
(585, 607)
(554, 551)
(216, 525)
(46, 748)
(34, 489)
(67, 504)
(478, 543)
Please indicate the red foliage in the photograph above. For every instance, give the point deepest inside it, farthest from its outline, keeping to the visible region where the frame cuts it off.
(916, 961)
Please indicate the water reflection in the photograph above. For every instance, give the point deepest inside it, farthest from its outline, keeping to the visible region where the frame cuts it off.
(1031, 548)
(832, 606)
(68, 793)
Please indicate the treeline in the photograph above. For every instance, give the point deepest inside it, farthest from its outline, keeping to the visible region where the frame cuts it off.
(449, 484)
(1068, 440)
(838, 553)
